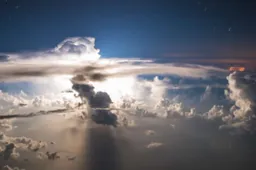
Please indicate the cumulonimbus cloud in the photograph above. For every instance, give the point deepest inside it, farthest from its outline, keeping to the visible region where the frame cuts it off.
(78, 56)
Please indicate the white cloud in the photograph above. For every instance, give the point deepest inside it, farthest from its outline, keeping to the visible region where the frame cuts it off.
(123, 120)
(215, 112)
(71, 158)
(242, 114)
(150, 132)
(233, 125)
(14, 155)
(7, 167)
(191, 114)
(154, 145)
(240, 94)
(79, 45)
(23, 143)
(163, 108)
(172, 125)
(14, 103)
(8, 101)
(41, 155)
(5, 125)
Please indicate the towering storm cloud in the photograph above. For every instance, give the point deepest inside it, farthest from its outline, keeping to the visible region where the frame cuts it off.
(242, 92)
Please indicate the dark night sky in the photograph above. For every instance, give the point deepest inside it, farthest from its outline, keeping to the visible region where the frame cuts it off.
(177, 30)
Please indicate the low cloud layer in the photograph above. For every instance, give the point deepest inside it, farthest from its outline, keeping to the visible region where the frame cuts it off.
(11, 104)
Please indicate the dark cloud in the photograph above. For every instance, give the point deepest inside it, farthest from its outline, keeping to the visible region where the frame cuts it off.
(96, 100)
(32, 114)
(85, 92)
(101, 100)
(3, 57)
(97, 77)
(9, 149)
(78, 79)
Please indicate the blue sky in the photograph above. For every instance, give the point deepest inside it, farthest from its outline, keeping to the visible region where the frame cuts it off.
(170, 30)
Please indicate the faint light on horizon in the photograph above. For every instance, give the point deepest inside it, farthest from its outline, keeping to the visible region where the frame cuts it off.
(241, 69)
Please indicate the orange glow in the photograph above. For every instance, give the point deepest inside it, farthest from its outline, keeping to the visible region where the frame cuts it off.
(237, 69)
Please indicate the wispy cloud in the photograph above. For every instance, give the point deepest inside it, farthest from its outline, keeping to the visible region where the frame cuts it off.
(19, 72)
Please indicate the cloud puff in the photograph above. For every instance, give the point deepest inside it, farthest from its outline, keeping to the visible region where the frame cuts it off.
(11, 104)
(22, 142)
(41, 155)
(78, 45)
(124, 120)
(215, 112)
(154, 145)
(164, 108)
(7, 167)
(8, 101)
(71, 158)
(5, 125)
(48, 155)
(150, 132)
